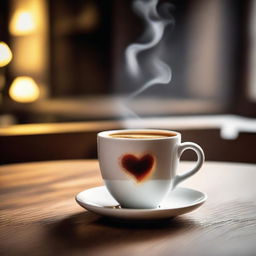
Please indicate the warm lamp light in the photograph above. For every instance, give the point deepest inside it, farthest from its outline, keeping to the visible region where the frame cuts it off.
(24, 89)
(5, 54)
(22, 23)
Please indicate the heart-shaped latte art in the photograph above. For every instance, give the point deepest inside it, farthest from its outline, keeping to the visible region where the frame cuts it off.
(139, 167)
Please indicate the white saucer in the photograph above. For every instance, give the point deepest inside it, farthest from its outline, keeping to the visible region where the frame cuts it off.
(179, 201)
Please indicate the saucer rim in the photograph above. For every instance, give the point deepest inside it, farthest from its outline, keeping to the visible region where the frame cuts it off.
(197, 203)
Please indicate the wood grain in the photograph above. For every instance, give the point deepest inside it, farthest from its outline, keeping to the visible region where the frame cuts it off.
(39, 215)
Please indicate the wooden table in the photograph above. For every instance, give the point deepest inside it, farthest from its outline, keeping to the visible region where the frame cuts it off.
(39, 215)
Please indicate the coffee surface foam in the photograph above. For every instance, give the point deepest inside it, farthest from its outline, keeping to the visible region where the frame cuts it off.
(142, 135)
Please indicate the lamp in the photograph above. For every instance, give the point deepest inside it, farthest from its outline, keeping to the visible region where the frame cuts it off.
(24, 89)
(22, 23)
(5, 54)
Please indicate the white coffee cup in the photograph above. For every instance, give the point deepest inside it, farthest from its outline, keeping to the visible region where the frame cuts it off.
(139, 166)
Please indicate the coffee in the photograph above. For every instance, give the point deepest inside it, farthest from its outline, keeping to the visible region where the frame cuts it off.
(142, 135)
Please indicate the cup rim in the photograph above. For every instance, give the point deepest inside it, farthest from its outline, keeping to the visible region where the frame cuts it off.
(105, 134)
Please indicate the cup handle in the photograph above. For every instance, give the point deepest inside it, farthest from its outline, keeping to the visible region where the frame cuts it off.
(200, 160)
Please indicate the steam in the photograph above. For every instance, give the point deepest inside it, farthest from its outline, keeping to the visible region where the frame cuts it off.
(164, 77)
(155, 27)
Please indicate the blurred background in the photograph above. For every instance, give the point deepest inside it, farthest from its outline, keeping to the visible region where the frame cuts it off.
(70, 54)
(63, 61)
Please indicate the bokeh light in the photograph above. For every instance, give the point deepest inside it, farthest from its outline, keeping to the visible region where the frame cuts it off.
(5, 54)
(24, 89)
(22, 23)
